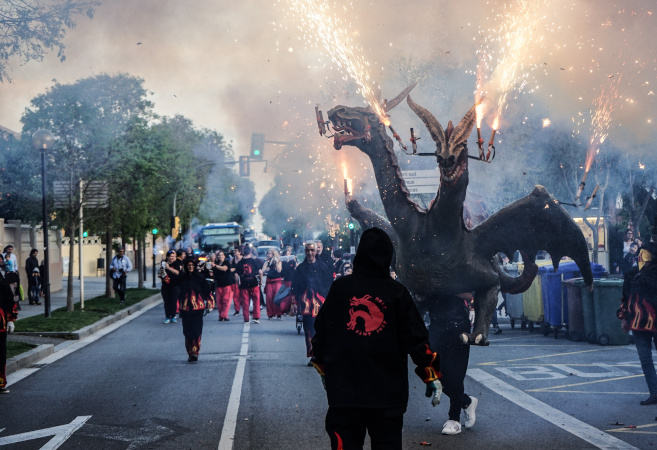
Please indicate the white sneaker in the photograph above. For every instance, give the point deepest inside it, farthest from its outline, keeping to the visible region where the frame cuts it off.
(256, 320)
(469, 413)
(451, 427)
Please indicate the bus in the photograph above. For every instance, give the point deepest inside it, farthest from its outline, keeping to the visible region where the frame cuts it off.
(220, 236)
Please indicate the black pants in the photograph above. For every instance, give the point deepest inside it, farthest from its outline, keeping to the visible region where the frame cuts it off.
(119, 287)
(449, 318)
(192, 325)
(346, 428)
(170, 298)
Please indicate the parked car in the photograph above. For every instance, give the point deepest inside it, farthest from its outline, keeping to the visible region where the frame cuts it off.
(269, 243)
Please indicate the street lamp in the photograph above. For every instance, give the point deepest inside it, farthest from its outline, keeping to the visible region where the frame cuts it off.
(44, 140)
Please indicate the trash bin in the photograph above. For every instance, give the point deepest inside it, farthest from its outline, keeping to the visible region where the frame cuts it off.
(576, 331)
(514, 301)
(607, 293)
(532, 298)
(555, 295)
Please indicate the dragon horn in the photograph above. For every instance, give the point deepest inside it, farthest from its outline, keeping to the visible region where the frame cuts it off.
(395, 101)
(463, 129)
(432, 124)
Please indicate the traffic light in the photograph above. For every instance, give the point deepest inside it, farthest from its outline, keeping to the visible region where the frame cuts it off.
(245, 166)
(257, 145)
(175, 227)
(155, 230)
(351, 225)
(85, 234)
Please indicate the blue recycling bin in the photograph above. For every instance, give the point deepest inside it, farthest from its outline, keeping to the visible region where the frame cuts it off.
(555, 295)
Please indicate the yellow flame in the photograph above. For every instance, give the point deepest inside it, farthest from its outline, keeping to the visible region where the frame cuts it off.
(344, 170)
(480, 113)
(496, 122)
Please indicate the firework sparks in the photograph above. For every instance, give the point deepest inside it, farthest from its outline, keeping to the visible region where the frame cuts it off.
(515, 37)
(601, 120)
(546, 123)
(319, 23)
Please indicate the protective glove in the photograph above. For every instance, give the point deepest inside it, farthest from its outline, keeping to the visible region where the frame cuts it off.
(435, 390)
(10, 327)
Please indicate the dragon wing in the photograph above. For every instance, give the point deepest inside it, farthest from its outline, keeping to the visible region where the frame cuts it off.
(535, 222)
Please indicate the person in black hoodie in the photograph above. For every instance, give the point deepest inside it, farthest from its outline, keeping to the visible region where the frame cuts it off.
(364, 333)
(310, 285)
(638, 312)
(195, 297)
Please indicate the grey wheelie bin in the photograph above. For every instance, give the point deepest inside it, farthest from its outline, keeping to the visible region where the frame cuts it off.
(514, 301)
(607, 295)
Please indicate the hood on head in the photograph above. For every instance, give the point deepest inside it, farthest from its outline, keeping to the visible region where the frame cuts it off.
(374, 253)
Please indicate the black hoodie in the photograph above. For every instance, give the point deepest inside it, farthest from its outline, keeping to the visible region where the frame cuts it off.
(365, 330)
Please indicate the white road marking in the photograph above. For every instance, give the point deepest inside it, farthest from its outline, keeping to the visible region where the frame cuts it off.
(60, 434)
(77, 345)
(230, 421)
(562, 420)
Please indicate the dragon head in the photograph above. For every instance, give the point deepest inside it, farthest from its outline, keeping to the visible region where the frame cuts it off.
(354, 126)
(361, 127)
(451, 144)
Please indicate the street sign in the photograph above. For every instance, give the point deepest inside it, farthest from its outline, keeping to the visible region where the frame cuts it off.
(433, 173)
(422, 189)
(95, 194)
(422, 182)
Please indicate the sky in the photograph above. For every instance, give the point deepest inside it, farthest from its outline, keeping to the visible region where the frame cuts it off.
(261, 66)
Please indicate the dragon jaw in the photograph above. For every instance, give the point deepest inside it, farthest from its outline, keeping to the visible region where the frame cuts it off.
(353, 126)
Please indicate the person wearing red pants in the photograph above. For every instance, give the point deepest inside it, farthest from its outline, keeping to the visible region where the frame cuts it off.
(272, 270)
(224, 280)
(249, 271)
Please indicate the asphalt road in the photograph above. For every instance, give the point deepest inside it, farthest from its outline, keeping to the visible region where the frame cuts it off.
(131, 387)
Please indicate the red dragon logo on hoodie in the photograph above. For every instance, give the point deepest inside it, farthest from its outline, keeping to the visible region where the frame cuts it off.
(366, 315)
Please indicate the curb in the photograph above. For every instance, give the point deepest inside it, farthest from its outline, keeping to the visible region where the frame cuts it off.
(30, 357)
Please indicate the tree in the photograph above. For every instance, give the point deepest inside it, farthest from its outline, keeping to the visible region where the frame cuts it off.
(86, 118)
(31, 28)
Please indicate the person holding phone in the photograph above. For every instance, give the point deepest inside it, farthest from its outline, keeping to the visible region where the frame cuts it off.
(169, 272)
(119, 269)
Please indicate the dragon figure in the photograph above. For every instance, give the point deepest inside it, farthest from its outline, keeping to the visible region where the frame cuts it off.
(436, 254)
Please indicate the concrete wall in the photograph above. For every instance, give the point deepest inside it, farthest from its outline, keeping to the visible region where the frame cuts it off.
(93, 249)
(26, 237)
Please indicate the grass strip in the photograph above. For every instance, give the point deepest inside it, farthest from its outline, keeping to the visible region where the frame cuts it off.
(16, 348)
(94, 310)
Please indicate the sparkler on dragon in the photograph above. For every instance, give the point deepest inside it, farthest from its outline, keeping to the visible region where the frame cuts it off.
(436, 254)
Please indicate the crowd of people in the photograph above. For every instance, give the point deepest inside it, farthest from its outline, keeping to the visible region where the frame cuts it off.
(321, 289)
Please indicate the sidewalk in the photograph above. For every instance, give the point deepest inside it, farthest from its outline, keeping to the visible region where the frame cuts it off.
(93, 287)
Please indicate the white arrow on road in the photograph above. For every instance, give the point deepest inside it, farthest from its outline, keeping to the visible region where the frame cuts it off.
(137, 437)
(60, 434)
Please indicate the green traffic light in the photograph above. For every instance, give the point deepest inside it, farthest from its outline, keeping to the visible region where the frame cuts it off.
(351, 225)
(85, 234)
(155, 230)
(256, 152)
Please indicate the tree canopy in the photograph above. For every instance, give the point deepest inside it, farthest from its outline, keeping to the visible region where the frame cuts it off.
(31, 28)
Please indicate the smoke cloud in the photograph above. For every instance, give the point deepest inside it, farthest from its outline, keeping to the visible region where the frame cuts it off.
(244, 67)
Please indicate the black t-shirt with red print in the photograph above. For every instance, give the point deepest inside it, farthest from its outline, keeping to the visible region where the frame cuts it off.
(248, 271)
